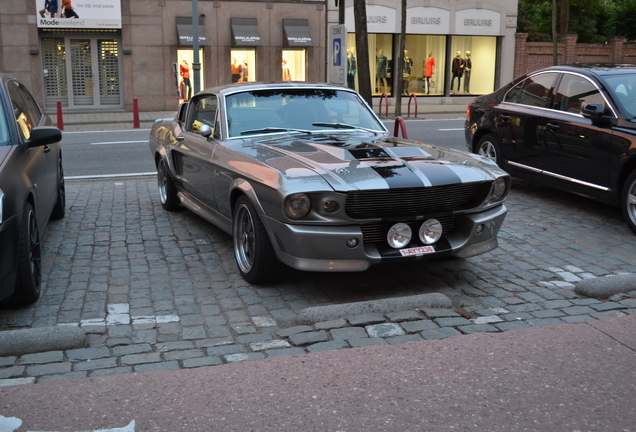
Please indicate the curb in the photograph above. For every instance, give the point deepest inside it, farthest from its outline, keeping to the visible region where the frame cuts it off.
(606, 286)
(317, 314)
(42, 339)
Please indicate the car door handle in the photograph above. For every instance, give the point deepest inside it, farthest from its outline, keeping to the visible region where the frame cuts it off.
(47, 149)
(553, 125)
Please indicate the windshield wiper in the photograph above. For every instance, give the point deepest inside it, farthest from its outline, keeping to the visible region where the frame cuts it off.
(343, 126)
(274, 129)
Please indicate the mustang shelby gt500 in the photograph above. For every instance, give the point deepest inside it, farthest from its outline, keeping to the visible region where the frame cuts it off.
(307, 175)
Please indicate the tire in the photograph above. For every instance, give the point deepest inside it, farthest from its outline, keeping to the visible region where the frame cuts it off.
(167, 188)
(59, 210)
(628, 201)
(29, 260)
(253, 250)
(489, 147)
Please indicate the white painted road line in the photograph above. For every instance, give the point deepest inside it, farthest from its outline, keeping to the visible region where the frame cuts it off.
(454, 129)
(11, 424)
(119, 142)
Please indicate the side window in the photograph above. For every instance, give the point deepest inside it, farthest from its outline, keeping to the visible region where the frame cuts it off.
(576, 91)
(204, 113)
(536, 90)
(25, 110)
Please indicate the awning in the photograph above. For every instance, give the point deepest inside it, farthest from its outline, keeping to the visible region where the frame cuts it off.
(245, 32)
(184, 31)
(297, 32)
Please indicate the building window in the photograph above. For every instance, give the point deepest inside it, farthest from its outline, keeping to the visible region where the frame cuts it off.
(293, 66)
(477, 56)
(425, 64)
(186, 74)
(243, 65)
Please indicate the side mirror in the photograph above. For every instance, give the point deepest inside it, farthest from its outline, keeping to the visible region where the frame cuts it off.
(44, 135)
(205, 131)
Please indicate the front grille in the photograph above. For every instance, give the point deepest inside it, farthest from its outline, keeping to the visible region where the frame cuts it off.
(374, 233)
(402, 203)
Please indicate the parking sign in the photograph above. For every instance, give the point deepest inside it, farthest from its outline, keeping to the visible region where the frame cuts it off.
(337, 54)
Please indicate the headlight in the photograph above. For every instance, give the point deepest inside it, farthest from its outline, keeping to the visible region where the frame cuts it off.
(297, 205)
(430, 231)
(1, 205)
(399, 235)
(498, 191)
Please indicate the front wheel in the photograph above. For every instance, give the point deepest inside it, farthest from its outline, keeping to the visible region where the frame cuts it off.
(254, 253)
(489, 147)
(628, 201)
(167, 188)
(29, 259)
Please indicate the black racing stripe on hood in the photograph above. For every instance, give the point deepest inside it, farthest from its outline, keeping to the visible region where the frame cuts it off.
(399, 176)
(438, 174)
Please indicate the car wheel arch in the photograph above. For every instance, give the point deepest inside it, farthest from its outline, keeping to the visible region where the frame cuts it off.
(478, 136)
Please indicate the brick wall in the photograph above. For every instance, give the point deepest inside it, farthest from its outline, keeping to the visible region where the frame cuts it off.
(530, 56)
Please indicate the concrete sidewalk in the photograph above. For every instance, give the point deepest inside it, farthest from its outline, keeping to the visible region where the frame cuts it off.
(568, 377)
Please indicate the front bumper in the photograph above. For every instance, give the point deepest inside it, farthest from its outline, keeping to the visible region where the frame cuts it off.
(324, 248)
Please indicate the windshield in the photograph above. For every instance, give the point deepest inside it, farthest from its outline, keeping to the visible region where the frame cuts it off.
(622, 88)
(276, 110)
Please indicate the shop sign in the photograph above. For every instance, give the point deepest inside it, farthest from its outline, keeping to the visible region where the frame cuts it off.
(427, 20)
(85, 14)
(380, 19)
(478, 22)
(337, 55)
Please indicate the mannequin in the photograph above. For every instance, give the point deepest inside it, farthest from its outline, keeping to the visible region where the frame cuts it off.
(468, 65)
(236, 70)
(381, 65)
(457, 69)
(351, 69)
(429, 68)
(406, 72)
(286, 72)
(244, 71)
(184, 70)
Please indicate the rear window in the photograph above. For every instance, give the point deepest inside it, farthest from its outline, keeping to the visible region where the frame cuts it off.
(533, 91)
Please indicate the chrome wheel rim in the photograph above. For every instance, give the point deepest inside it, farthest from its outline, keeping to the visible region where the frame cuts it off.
(162, 182)
(244, 242)
(35, 263)
(487, 149)
(631, 202)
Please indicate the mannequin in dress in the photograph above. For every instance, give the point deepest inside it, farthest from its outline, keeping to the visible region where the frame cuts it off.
(406, 72)
(429, 68)
(468, 65)
(381, 65)
(457, 69)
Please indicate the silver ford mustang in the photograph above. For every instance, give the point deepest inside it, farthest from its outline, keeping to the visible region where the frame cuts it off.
(306, 175)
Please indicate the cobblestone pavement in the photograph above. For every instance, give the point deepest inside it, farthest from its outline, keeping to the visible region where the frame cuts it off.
(158, 290)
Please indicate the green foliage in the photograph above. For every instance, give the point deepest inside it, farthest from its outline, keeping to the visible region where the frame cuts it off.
(593, 21)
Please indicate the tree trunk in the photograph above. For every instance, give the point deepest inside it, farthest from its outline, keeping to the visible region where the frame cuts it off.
(564, 20)
(555, 46)
(362, 50)
(399, 67)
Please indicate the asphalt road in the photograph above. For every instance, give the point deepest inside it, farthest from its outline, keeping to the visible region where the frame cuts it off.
(125, 152)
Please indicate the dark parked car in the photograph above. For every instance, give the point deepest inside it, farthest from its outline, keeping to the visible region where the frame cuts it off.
(31, 189)
(568, 127)
(307, 175)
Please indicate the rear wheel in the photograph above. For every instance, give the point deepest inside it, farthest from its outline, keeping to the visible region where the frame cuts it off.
(489, 147)
(167, 188)
(253, 251)
(628, 201)
(29, 259)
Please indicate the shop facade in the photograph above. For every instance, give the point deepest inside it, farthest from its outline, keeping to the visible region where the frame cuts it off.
(116, 50)
(453, 49)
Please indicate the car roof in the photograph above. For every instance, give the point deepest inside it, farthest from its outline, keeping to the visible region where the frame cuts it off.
(598, 69)
(236, 87)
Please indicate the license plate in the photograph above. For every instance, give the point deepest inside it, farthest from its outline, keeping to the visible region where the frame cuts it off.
(422, 250)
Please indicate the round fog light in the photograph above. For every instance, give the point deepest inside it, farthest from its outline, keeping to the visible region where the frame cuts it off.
(480, 229)
(399, 235)
(430, 231)
(352, 242)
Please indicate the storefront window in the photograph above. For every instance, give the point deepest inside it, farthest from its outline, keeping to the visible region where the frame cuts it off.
(424, 64)
(243, 66)
(186, 77)
(293, 67)
(381, 60)
(473, 64)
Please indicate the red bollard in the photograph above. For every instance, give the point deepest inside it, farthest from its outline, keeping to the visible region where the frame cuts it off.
(399, 122)
(384, 98)
(60, 119)
(135, 113)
